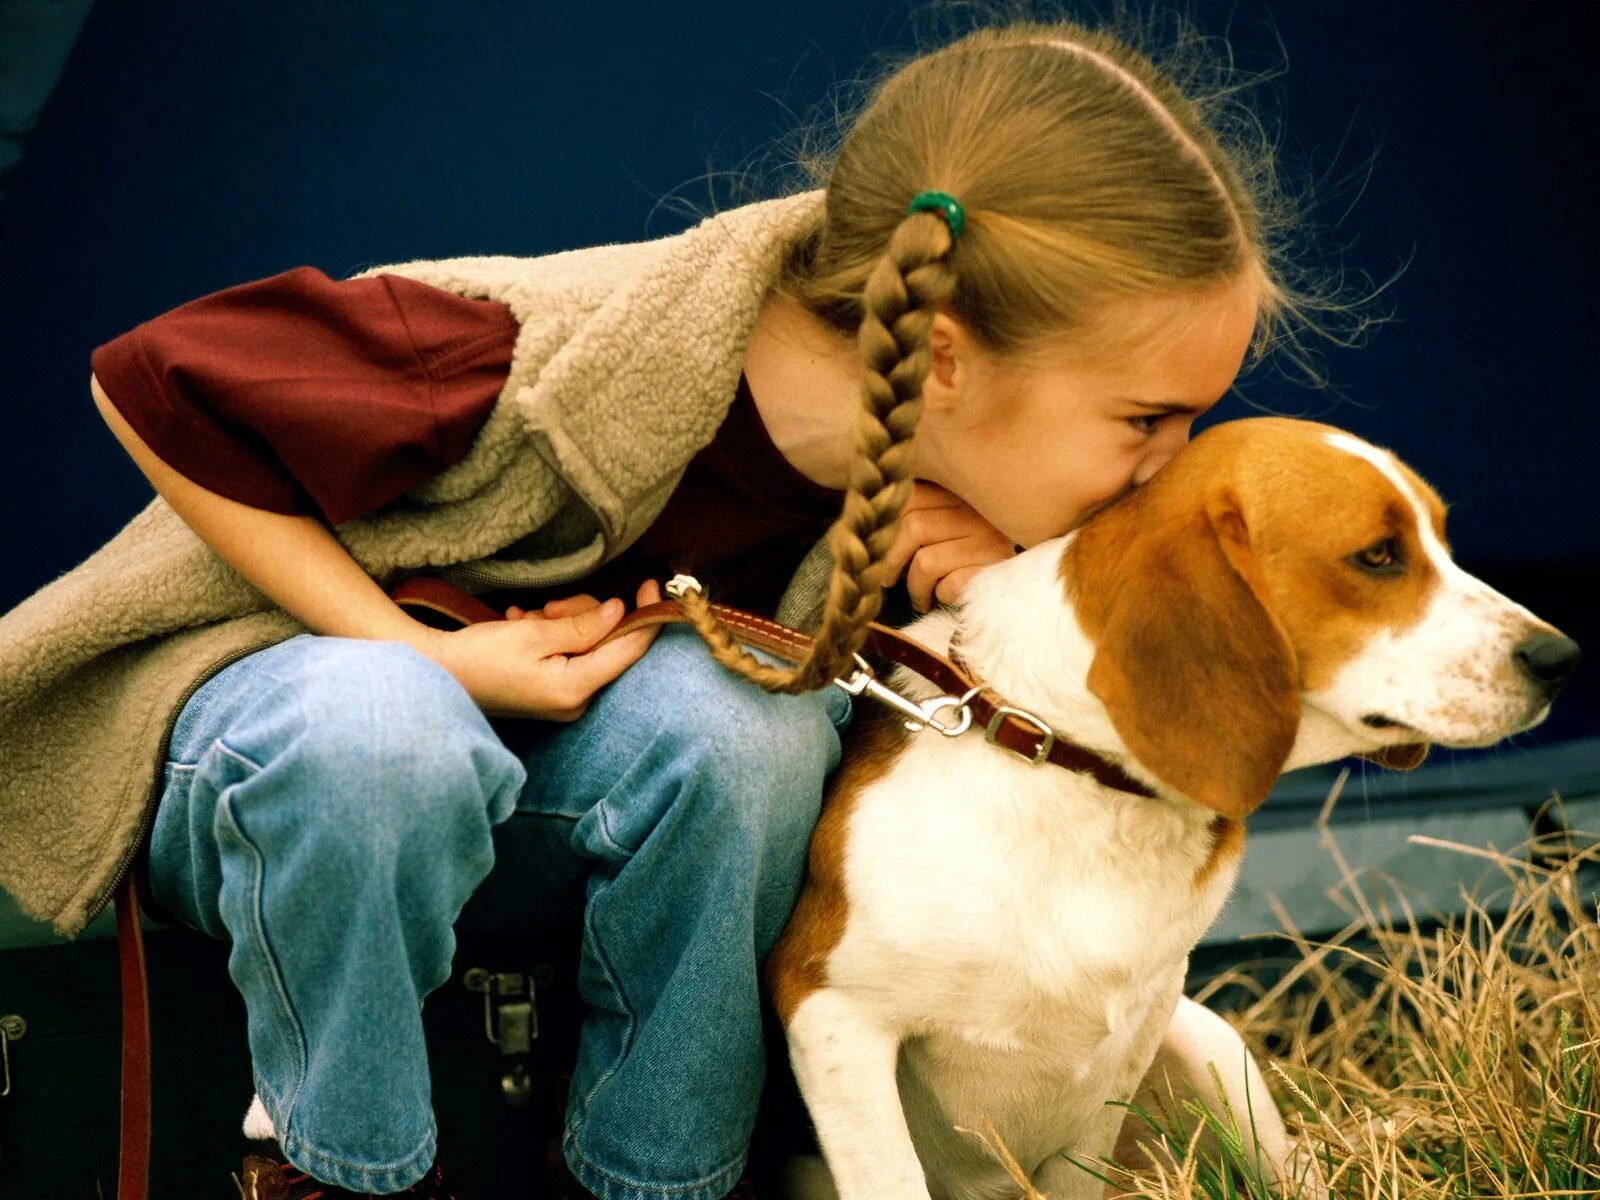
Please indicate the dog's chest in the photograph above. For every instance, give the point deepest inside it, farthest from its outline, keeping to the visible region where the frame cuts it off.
(1020, 928)
(1009, 890)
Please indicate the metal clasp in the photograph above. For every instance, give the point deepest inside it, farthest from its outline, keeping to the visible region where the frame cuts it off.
(12, 1028)
(511, 1022)
(991, 733)
(919, 716)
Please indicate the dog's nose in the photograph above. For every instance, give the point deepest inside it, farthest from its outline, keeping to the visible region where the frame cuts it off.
(1548, 659)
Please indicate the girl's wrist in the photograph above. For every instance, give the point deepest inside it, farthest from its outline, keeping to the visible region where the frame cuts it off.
(429, 642)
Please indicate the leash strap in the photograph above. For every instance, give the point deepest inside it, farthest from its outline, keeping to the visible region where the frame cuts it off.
(133, 1164)
(969, 701)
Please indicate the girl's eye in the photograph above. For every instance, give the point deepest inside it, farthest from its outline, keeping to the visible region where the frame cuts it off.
(1380, 558)
(1146, 424)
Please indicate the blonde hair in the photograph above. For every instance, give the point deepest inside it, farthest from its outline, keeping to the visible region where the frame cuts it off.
(1086, 176)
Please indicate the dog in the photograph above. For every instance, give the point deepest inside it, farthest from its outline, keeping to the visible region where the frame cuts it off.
(985, 937)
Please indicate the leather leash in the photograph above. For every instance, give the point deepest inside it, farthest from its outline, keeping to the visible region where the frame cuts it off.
(133, 1151)
(967, 704)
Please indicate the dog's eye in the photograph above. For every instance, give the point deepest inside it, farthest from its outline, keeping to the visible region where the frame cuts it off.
(1380, 558)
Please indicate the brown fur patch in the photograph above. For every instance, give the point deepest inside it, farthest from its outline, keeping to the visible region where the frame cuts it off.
(798, 964)
(1194, 671)
(1187, 655)
(1227, 841)
(1311, 509)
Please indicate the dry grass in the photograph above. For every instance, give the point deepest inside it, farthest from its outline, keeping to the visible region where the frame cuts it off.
(1421, 1059)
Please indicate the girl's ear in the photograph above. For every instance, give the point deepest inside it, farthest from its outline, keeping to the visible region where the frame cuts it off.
(956, 363)
(1195, 672)
(945, 340)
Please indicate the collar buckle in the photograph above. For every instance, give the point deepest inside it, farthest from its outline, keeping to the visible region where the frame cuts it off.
(991, 733)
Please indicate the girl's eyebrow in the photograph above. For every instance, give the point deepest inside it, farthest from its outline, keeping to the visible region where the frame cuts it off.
(1164, 406)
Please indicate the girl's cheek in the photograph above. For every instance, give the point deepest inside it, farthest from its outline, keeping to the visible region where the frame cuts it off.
(1092, 500)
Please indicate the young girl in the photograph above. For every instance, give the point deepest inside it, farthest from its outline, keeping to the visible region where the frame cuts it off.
(1031, 252)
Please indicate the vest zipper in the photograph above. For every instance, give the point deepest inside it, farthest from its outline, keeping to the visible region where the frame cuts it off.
(472, 575)
(148, 819)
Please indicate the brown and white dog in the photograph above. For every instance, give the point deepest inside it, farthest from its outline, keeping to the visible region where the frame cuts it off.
(980, 937)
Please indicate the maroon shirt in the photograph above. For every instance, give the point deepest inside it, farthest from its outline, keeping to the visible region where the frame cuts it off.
(303, 394)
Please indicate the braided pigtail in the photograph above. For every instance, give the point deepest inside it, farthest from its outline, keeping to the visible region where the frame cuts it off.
(902, 294)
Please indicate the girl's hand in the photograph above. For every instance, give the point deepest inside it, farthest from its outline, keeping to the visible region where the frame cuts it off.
(945, 542)
(544, 664)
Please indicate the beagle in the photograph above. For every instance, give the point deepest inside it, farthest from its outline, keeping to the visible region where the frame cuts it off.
(981, 936)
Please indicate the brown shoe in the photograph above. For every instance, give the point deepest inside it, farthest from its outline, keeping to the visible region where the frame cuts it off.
(271, 1176)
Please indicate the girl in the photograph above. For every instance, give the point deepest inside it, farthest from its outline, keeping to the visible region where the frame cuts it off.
(1029, 240)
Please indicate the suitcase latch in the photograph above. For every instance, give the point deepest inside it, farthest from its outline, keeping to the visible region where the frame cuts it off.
(511, 1022)
(12, 1029)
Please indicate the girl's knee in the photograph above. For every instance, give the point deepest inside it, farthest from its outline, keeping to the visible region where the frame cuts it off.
(734, 725)
(757, 744)
(364, 728)
(714, 752)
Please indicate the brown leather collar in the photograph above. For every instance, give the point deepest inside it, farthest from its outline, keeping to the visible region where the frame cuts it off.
(1004, 724)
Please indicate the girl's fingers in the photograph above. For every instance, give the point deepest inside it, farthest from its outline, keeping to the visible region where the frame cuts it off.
(929, 528)
(930, 515)
(593, 669)
(931, 495)
(949, 589)
(579, 631)
(568, 606)
(941, 571)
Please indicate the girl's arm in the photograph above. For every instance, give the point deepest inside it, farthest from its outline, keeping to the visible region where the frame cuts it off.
(513, 668)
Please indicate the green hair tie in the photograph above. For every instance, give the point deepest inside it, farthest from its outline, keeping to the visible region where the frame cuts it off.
(940, 202)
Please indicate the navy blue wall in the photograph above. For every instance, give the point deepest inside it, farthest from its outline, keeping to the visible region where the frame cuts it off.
(193, 146)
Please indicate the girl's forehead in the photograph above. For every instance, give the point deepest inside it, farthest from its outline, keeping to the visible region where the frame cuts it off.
(1180, 347)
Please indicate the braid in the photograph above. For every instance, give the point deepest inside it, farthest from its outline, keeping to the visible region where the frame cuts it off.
(901, 297)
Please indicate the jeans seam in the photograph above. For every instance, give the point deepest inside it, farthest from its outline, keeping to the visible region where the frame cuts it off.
(610, 835)
(428, 1151)
(219, 744)
(593, 938)
(297, 1045)
(571, 1139)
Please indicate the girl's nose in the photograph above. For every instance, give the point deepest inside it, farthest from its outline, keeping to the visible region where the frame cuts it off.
(1149, 465)
(1161, 453)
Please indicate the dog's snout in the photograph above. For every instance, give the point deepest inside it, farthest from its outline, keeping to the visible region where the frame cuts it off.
(1548, 659)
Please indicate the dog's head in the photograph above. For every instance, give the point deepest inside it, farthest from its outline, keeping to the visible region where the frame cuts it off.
(1282, 587)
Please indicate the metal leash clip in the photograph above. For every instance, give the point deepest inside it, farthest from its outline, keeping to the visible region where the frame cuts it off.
(679, 584)
(919, 716)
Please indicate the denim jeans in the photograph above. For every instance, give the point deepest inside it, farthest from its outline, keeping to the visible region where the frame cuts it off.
(330, 806)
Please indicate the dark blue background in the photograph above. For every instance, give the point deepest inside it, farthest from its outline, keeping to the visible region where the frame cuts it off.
(192, 146)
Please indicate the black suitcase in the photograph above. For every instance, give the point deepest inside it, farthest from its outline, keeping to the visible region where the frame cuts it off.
(497, 1101)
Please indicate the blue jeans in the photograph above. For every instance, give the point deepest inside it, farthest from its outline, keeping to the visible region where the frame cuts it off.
(331, 804)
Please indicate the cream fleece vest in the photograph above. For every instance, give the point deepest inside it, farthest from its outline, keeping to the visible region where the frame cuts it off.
(627, 360)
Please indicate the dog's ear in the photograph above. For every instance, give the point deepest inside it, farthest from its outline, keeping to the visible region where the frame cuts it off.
(1399, 758)
(1195, 672)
